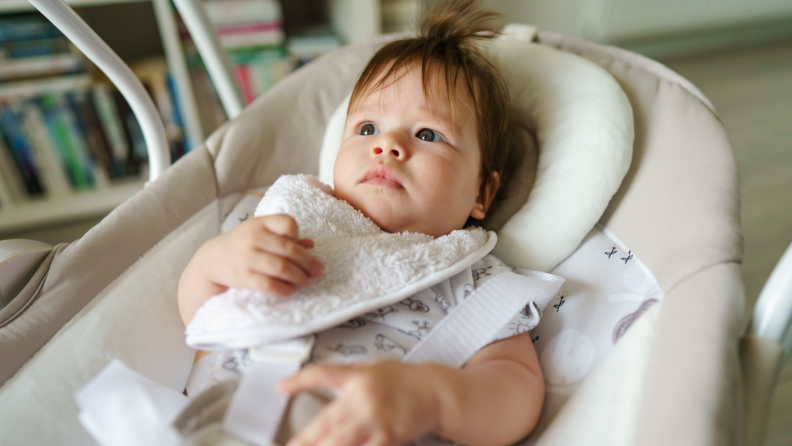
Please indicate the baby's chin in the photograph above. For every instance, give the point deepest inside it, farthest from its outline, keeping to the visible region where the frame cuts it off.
(393, 217)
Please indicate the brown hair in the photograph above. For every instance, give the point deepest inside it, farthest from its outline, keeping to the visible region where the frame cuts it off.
(448, 43)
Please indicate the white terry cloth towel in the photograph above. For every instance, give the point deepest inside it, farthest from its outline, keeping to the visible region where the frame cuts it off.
(365, 268)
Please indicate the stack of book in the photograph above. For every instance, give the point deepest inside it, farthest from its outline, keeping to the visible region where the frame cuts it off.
(252, 33)
(312, 42)
(62, 131)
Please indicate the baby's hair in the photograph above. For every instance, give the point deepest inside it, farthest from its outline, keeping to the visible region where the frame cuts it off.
(448, 42)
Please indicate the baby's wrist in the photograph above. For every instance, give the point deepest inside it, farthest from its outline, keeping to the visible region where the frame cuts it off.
(447, 400)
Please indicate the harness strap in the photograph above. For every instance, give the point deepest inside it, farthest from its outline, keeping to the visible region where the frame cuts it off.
(477, 319)
(256, 410)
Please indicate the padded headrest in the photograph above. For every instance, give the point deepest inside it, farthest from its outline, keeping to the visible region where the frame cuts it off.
(584, 128)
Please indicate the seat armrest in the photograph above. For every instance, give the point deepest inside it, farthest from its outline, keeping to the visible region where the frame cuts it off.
(19, 260)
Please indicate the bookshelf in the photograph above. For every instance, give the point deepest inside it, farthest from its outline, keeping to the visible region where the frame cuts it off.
(45, 212)
(350, 20)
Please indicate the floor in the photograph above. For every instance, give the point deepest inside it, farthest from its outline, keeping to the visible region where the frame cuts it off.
(752, 93)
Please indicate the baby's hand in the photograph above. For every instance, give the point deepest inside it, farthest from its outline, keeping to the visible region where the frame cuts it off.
(382, 403)
(262, 253)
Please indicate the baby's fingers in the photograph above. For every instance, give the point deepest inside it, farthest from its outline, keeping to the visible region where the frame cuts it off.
(345, 434)
(279, 268)
(281, 224)
(291, 250)
(324, 376)
(266, 284)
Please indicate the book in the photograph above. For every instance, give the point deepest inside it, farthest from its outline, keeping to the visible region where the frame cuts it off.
(87, 124)
(22, 28)
(137, 144)
(31, 88)
(40, 66)
(97, 177)
(57, 124)
(16, 140)
(256, 39)
(112, 126)
(53, 175)
(242, 73)
(10, 176)
(222, 12)
(35, 48)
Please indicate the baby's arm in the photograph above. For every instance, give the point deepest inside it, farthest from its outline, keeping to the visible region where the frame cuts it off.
(494, 400)
(262, 253)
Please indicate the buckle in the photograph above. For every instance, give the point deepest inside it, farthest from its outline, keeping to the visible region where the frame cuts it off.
(294, 350)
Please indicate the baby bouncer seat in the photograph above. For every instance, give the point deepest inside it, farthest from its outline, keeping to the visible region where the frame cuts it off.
(677, 208)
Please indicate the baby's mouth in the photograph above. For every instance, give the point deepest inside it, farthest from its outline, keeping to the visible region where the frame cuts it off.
(383, 177)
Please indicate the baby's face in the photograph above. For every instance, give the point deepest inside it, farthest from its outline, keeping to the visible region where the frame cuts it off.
(406, 164)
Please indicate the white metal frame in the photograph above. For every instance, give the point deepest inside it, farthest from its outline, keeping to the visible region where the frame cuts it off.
(772, 316)
(84, 38)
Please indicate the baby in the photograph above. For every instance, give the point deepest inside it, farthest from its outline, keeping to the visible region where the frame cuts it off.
(425, 150)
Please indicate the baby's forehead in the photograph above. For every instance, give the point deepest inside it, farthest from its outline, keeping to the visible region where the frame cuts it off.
(409, 94)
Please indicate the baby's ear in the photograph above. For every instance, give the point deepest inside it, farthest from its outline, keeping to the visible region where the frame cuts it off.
(485, 198)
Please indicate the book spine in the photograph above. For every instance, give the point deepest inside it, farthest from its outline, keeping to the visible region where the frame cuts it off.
(59, 131)
(178, 120)
(36, 48)
(16, 140)
(138, 153)
(112, 126)
(24, 89)
(9, 174)
(88, 127)
(77, 136)
(267, 38)
(40, 66)
(18, 29)
(221, 12)
(55, 180)
(243, 77)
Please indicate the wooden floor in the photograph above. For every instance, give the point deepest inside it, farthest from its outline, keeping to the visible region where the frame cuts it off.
(752, 92)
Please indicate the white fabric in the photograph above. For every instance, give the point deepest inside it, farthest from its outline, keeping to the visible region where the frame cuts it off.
(604, 410)
(135, 319)
(607, 290)
(584, 126)
(118, 394)
(364, 270)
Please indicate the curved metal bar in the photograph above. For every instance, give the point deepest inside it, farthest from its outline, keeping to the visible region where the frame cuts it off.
(772, 316)
(71, 25)
(213, 55)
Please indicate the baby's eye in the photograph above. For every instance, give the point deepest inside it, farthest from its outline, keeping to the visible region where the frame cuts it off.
(368, 129)
(429, 135)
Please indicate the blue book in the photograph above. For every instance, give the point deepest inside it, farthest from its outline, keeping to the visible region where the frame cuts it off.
(178, 119)
(26, 27)
(16, 140)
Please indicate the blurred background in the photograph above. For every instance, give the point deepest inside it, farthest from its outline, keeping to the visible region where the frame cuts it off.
(70, 149)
